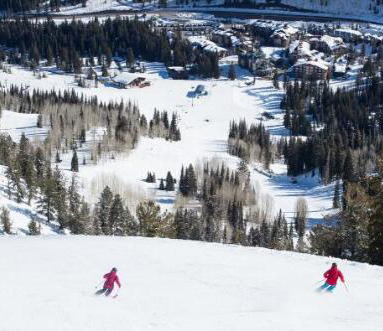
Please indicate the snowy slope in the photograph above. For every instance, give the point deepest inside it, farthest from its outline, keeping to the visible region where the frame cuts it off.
(343, 8)
(204, 124)
(47, 283)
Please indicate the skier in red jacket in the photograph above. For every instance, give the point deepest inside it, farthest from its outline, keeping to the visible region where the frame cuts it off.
(331, 276)
(110, 279)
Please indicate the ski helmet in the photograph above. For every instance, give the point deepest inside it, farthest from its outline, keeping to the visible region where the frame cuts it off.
(114, 269)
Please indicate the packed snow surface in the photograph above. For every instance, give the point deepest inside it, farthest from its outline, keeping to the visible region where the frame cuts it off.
(47, 283)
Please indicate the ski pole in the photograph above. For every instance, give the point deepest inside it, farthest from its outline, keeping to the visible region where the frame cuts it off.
(346, 287)
(99, 284)
(116, 294)
(319, 282)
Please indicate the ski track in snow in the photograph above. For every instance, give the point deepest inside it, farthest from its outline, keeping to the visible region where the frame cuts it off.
(47, 283)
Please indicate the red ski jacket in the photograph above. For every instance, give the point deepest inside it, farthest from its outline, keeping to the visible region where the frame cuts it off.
(332, 276)
(111, 277)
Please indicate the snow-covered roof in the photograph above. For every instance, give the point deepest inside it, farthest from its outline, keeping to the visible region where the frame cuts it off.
(302, 48)
(213, 48)
(348, 31)
(206, 44)
(373, 36)
(340, 67)
(285, 32)
(265, 24)
(175, 68)
(234, 40)
(332, 42)
(223, 32)
(126, 78)
(320, 64)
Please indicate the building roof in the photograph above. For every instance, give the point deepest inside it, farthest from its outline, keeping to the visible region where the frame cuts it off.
(349, 31)
(302, 48)
(285, 32)
(320, 64)
(333, 42)
(126, 78)
(206, 44)
(179, 69)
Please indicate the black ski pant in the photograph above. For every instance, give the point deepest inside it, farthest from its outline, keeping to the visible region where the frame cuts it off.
(105, 291)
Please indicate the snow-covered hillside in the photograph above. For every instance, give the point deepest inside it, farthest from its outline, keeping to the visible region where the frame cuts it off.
(365, 8)
(48, 283)
(204, 124)
(342, 7)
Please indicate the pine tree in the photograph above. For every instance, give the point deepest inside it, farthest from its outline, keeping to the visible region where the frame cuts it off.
(148, 214)
(169, 182)
(45, 203)
(74, 162)
(182, 182)
(59, 198)
(103, 210)
(336, 199)
(275, 79)
(104, 71)
(76, 224)
(39, 162)
(349, 173)
(131, 223)
(14, 184)
(265, 236)
(162, 185)
(232, 73)
(39, 121)
(130, 58)
(191, 181)
(375, 228)
(34, 228)
(117, 217)
(5, 221)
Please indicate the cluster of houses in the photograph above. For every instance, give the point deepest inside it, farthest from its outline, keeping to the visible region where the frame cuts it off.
(314, 50)
(317, 55)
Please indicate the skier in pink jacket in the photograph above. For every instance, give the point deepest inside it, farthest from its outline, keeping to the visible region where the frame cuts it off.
(110, 279)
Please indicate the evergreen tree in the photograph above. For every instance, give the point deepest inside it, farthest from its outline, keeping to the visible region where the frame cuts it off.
(354, 224)
(130, 58)
(74, 162)
(59, 198)
(104, 71)
(375, 227)
(148, 214)
(34, 228)
(162, 185)
(169, 182)
(232, 73)
(5, 221)
(117, 217)
(77, 209)
(265, 236)
(191, 180)
(14, 183)
(45, 203)
(336, 199)
(349, 173)
(103, 210)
